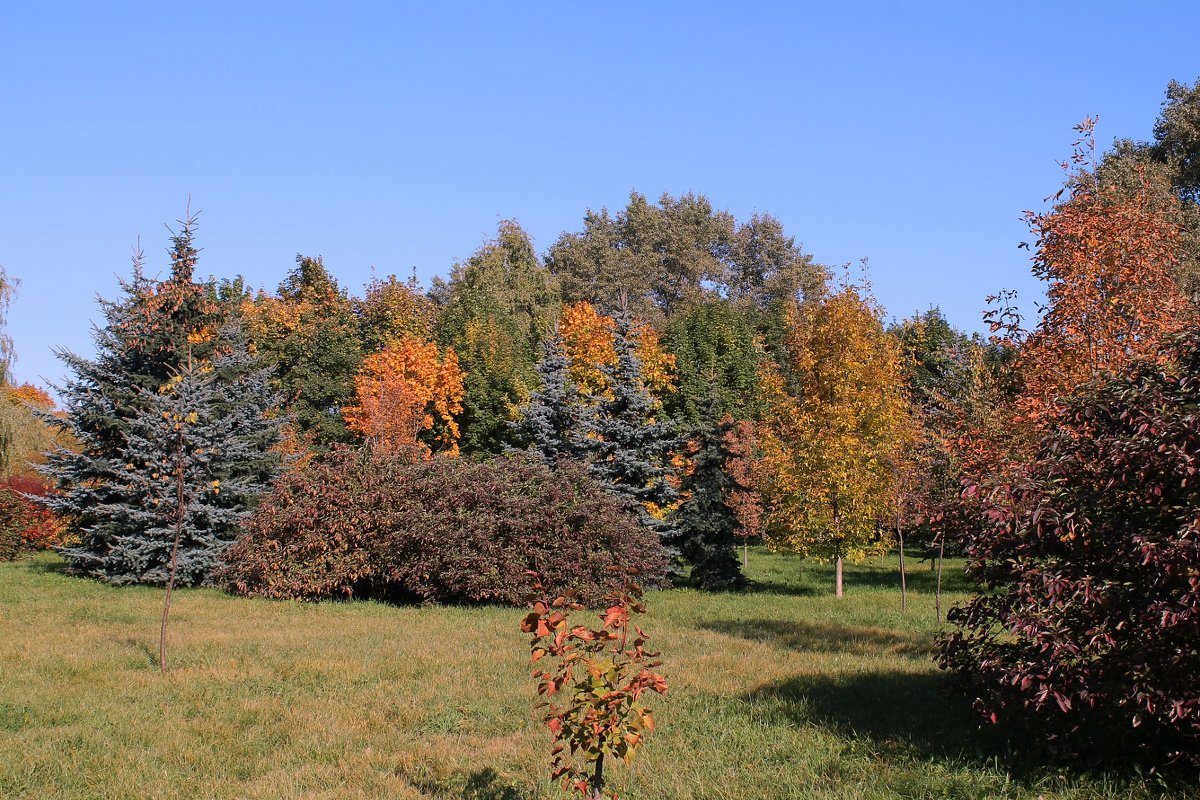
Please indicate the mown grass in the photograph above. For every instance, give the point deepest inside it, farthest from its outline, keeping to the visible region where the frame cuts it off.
(783, 692)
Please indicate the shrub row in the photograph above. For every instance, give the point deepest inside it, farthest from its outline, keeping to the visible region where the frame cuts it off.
(447, 530)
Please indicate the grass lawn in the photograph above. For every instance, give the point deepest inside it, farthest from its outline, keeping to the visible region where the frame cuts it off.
(784, 692)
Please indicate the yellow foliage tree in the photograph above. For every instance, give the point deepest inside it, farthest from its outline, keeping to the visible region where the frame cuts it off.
(588, 341)
(831, 447)
(408, 396)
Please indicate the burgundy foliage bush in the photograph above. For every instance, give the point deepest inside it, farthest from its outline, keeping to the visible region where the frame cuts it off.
(448, 530)
(1089, 625)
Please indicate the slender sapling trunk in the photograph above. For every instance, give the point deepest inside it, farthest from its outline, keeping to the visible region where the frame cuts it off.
(938, 594)
(179, 516)
(597, 788)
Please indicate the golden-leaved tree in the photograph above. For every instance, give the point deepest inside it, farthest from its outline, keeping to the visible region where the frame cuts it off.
(408, 396)
(831, 445)
(588, 339)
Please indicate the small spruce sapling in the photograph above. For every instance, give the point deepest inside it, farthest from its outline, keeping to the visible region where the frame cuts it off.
(602, 674)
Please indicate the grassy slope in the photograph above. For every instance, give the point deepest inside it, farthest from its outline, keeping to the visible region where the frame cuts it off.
(784, 692)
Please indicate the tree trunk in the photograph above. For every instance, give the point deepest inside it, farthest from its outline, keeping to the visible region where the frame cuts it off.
(745, 554)
(837, 577)
(597, 787)
(179, 515)
(903, 576)
(938, 594)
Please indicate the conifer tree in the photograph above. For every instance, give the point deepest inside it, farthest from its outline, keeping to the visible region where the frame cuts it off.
(159, 340)
(551, 424)
(706, 524)
(631, 445)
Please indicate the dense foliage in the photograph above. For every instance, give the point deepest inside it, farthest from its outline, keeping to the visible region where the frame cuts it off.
(594, 683)
(630, 440)
(707, 525)
(827, 472)
(1090, 563)
(114, 480)
(449, 530)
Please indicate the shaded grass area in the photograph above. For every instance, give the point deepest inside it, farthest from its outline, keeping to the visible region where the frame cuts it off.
(781, 692)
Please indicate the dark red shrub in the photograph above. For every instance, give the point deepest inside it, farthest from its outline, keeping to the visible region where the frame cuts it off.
(447, 530)
(1089, 624)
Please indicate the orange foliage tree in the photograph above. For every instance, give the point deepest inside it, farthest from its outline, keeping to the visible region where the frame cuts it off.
(588, 340)
(408, 396)
(1106, 256)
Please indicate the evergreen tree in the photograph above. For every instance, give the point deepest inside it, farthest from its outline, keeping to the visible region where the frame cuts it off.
(159, 345)
(707, 528)
(551, 425)
(631, 447)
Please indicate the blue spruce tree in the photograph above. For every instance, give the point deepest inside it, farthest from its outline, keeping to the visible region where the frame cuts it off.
(161, 346)
(551, 425)
(630, 449)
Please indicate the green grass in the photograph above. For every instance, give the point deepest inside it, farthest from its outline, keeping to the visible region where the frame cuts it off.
(784, 692)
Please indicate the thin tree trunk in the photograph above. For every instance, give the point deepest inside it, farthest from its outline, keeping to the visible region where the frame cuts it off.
(745, 555)
(597, 792)
(903, 576)
(837, 577)
(179, 515)
(938, 595)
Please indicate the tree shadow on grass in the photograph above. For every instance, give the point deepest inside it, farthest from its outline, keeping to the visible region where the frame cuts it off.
(482, 784)
(900, 713)
(486, 784)
(917, 577)
(44, 566)
(825, 638)
(778, 587)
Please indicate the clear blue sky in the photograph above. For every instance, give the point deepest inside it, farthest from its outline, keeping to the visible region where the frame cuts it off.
(396, 136)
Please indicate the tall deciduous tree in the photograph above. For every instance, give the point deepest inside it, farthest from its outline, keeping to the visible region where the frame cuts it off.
(827, 476)
(666, 257)
(1106, 257)
(393, 309)
(589, 342)
(1168, 169)
(408, 397)
(496, 309)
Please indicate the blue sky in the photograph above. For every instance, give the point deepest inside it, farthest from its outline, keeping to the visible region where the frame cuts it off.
(396, 136)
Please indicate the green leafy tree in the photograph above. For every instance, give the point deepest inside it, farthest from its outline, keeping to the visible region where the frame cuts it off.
(496, 309)
(308, 334)
(716, 349)
(665, 258)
